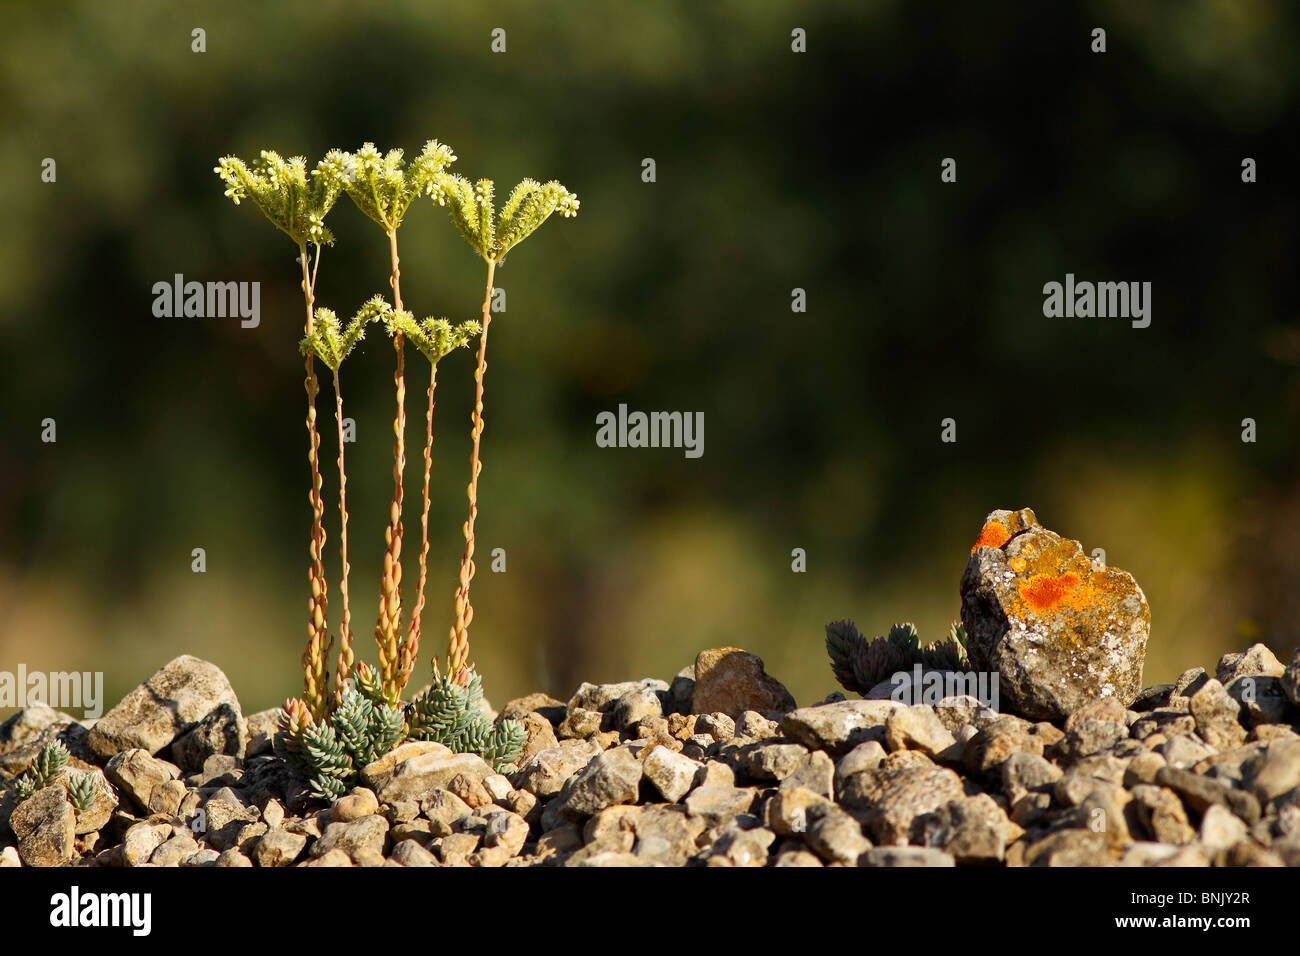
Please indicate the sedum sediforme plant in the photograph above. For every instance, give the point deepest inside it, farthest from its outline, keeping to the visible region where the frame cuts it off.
(860, 664)
(297, 205)
(383, 188)
(434, 339)
(331, 343)
(471, 206)
(330, 733)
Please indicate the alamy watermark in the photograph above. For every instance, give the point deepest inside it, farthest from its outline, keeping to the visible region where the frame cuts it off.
(1085, 300)
(62, 690)
(75, 909)
(934, 687)
(651, 430)
(209, 300)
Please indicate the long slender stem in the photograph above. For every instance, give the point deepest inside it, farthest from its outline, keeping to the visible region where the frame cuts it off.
(345, 658)
(411, 650)
(389, 626)
(458, 645)
(315, 657)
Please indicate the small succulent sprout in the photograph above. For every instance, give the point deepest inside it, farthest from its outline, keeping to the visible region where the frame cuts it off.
(380, 185)
(293, 721)
(44, 770)
(332, 344)
(295, 204)
(471, 205)
(81, 793)
(860, 664)
(435, 338)
(368, 684)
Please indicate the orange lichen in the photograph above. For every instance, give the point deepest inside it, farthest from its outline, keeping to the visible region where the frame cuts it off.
(1018, 564)
(992, 535)
(1043, 591)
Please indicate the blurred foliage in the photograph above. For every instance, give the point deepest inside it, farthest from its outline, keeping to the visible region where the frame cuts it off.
(775, 171)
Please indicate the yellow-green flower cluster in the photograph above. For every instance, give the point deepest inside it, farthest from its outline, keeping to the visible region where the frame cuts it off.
(295, 204)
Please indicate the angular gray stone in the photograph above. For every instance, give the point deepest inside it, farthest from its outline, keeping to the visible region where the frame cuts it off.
(142, 840)
(716, 804)
(411, 853)
(279, 848)
(611, 778)
(601, 697)
(837, 837)
(1095, 727)
(919, 728)
(1024, 773)
(973, 829)
(412, 774)
(136, 775)
(547, 771)
(1256, 661)
(891, 799)
(171, 702)
(839, 727)
(354, 839)
(815, 771)
(773, 762)
(745, 848)
(222, 732)
(1262, 700)
(1274, 771)
(174, 850)
(1215, 713)
(1160, 816)
(633, 707)
(672, 774)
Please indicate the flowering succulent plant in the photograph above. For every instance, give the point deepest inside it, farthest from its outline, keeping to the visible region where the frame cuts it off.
(334, 729)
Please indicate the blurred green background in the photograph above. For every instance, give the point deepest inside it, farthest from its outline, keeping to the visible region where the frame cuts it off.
(775, 171)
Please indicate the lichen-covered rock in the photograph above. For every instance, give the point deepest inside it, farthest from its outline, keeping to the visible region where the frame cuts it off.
(1059, 629)
(168, 704)
(730, 681)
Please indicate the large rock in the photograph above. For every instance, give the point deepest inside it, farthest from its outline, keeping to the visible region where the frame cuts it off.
(46, 828)
(731, 681)
(167, 705)
(1059, 629)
